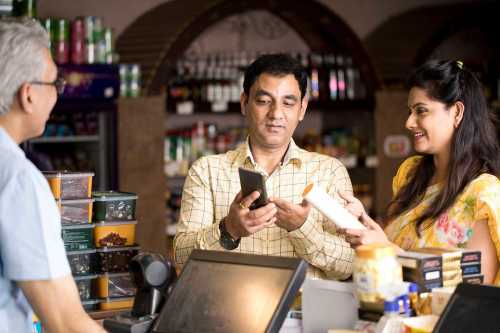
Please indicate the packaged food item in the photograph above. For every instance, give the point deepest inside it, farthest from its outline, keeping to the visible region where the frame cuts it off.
(118, 233)
(424, 306)
(115, 285)
(473, 279)
(451, 257)
(91, 304)
(61, 41)
(82, 262)
(116, 303)
(70, 185)
(78, 237)
(114, 206)
(75, 211)
(375, 267)
(85, 286)
(330, 207)
(422, 268)
(413, 297)
(391, 321)
(440, 297)
(115, 260)
(77, 41)
(420, 324)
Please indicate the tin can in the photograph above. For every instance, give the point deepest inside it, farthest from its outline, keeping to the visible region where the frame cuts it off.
(108, 40)
(24, 8)
(89, 49)
(48, 24)
(375, 267)
(100, 43)
(77, 41)
(134, 79)
(133, 89)
(61, 41)
(123, 70)
(134, 72)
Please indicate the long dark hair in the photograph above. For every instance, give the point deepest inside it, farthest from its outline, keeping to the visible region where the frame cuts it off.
(474, 148)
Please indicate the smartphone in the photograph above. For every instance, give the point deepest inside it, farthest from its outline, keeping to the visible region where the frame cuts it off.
(253, 181)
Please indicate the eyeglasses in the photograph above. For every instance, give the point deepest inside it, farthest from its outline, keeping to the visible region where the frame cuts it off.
(59, 84)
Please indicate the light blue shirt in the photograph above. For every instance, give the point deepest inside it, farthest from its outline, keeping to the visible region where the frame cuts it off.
(31, 247)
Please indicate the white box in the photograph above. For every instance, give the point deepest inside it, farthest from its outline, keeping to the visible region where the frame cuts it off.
(328, 305)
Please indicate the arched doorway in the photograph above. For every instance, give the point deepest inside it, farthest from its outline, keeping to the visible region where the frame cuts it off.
(160, 36)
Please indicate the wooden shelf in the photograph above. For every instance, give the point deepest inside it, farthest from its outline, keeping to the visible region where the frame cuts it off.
(328, 106)
(66, 139)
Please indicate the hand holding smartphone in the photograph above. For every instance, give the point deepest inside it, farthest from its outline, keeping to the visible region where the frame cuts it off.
(253, 181)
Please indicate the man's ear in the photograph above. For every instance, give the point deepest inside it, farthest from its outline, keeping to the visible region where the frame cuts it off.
(458, 110)
(303, 108)
(243, 103)
(24, 96)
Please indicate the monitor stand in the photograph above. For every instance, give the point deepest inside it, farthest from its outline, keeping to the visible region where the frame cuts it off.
(129, 324)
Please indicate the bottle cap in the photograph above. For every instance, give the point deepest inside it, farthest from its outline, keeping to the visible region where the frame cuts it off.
(413, 287)
(391, 306)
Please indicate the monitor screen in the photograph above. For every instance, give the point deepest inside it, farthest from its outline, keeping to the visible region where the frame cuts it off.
(472, 308)
(231, 292)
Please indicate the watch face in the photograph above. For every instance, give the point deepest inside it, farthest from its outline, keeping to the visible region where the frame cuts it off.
(225, 239)
(227, 242)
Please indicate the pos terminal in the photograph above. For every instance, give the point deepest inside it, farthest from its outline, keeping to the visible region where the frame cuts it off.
(217, 292)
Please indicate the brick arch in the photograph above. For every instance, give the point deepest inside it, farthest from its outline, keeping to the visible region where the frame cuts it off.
(406, 40)
(160, 36)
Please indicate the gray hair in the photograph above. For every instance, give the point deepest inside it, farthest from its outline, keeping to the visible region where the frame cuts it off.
(22, 42)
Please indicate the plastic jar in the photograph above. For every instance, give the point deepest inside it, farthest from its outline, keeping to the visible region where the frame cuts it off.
(375, 266)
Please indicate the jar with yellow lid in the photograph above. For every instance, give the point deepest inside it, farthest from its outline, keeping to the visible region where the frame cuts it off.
(375, 268)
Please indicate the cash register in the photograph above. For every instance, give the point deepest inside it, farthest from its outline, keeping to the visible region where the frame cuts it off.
(216, 292)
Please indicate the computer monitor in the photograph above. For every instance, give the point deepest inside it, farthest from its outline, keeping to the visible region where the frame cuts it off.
(231, 292)
(471, 308)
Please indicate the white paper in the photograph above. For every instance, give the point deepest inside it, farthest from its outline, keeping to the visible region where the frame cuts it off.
(329, 207)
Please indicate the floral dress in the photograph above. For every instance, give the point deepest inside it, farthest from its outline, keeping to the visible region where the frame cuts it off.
(480, 200)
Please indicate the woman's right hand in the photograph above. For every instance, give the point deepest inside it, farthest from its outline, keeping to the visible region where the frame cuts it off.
(372, 234)
(353, 205)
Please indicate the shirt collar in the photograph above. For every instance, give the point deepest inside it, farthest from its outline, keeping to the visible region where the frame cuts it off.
(245, 156)
(7, 141)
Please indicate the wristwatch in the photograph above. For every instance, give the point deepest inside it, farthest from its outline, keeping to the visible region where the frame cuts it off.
(225, 240)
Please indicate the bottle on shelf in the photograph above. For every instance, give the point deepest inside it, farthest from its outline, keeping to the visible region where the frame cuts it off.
(186, 145)
(217, 79)
(391, 321)
(84, 40)
(26, 8)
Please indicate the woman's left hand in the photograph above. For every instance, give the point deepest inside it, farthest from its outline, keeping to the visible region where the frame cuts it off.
(373, 233)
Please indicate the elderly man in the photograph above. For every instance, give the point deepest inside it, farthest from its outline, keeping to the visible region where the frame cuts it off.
(34, 271)
(215, 216)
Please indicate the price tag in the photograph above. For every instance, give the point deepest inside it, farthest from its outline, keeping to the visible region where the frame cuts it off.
(186, 107)
(220, 106)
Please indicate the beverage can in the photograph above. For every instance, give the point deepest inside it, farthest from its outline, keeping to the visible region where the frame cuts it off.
(61, 41)
(89, 49)
(77, 41)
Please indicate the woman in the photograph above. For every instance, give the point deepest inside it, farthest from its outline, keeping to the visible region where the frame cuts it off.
(449, 195)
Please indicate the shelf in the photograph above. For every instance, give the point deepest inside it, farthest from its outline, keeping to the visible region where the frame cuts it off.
(175, 182)
(66, 139)
(345, 105)
(334, 106)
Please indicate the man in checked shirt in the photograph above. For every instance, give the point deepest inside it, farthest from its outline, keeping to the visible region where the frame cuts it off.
(215, 216)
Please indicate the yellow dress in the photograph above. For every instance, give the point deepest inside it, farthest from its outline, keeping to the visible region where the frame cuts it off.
(479, 200)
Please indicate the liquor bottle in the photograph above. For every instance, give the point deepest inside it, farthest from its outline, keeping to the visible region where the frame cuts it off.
(24, 8)
(350, 82)
(341, 77)
(333, 79)
(314, 77)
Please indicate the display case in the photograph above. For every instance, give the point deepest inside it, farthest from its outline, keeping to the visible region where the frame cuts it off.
(81, 134)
